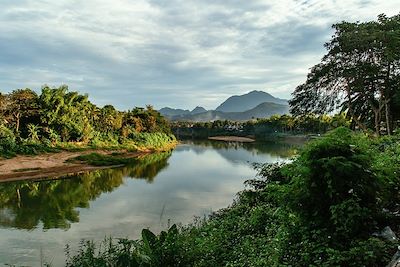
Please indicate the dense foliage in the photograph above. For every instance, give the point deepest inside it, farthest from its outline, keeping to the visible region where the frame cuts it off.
(262, 129)
(31, 123)
(360, 74)
(327, 207)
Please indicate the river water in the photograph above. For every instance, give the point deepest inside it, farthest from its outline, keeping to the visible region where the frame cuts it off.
(38, 218)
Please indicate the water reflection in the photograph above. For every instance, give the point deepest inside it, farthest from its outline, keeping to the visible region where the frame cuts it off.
(39, 218)
(244, 152)
(25, 204)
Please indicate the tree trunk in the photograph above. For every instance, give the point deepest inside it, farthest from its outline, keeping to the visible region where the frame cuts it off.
(19, 198)
(350, 109)
(388, 112)
(17, 122)
(377, 114)
(377, 122)
(389, 122)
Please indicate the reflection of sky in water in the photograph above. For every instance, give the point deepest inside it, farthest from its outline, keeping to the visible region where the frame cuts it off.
(198, 180)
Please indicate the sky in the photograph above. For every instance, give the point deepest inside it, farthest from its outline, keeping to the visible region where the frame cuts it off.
(176, 53)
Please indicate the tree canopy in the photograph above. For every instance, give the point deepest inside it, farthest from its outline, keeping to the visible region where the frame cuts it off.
(71, 115)
(61, 117)
(360, 74)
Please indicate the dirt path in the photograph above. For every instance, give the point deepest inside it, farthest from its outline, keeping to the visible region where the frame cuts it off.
(232, 139)
(46, 165)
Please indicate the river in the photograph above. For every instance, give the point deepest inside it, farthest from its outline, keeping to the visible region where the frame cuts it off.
(38, 218)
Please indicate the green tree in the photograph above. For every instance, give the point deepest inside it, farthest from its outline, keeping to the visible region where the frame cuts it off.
(359, 74)
(23, 104)
(66, 112)
(3, 108)
(109, 119)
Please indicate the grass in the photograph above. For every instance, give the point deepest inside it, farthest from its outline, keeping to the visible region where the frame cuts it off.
(13, 149)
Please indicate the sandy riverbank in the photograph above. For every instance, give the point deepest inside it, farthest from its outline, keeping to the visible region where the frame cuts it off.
(232, 139)
(48, 165)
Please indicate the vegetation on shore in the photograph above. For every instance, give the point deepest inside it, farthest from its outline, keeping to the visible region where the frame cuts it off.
(328, 207)
(59, 119)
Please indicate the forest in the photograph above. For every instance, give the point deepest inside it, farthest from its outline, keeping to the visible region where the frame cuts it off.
(337, 203)
(263, 129)
(63, 119)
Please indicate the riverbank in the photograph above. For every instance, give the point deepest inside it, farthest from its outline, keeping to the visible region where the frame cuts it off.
(56, 164)
(35, 160)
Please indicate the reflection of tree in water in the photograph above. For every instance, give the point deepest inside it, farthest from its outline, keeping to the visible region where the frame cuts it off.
(27, 203)
(280, 149)
(148, 166)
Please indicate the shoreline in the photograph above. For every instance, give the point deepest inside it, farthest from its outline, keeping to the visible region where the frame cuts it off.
(53, 165)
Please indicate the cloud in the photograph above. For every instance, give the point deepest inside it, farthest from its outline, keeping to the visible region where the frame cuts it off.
(178, 53)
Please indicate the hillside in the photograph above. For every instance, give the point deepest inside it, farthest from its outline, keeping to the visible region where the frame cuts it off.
(198, 110)
(240, 103)
(263, 110)
(171, 112)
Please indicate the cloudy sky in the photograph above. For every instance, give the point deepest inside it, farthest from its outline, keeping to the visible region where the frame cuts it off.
(178, 53)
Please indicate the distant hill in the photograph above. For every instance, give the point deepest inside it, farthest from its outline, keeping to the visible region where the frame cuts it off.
(263, 110)
(240, 103)
(198, 110)
(171, 112)
(256, 104)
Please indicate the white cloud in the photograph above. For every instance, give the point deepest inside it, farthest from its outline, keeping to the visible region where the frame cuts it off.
(163, 52)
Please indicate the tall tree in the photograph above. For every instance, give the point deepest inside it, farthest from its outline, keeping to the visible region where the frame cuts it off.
(22, 104)
(66, 112)
(359, 74)
(109, 119)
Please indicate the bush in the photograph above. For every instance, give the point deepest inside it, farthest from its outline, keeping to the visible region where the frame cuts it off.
(7, 142)
(9, 147)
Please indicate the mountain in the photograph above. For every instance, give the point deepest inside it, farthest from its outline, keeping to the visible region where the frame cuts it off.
(256, 104)
(198, 110)
(240, 103)
(171, 112)
(263, 110)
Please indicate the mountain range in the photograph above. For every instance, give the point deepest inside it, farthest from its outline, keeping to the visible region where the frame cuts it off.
(255, 104)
